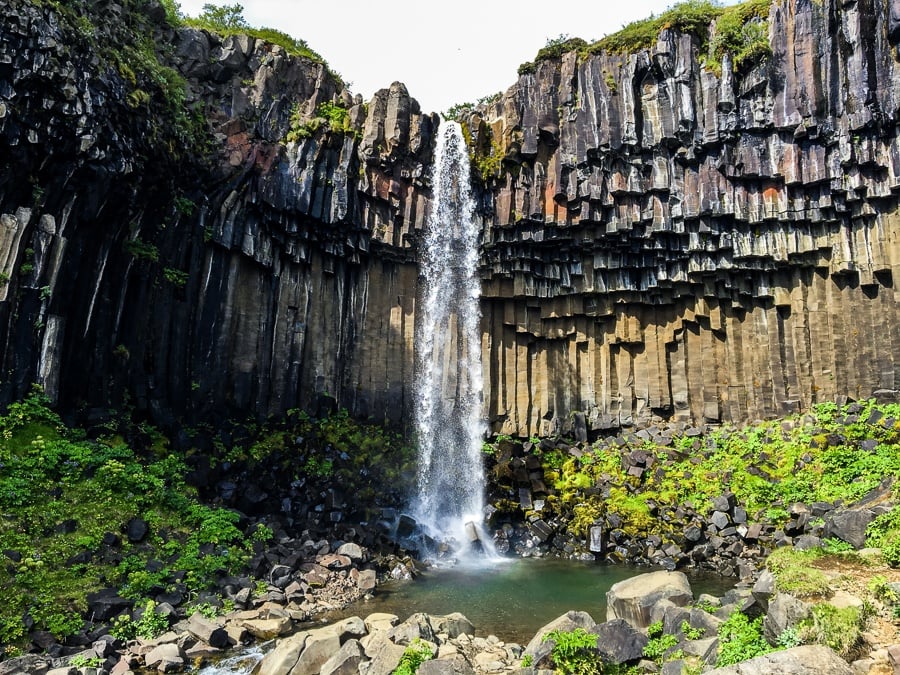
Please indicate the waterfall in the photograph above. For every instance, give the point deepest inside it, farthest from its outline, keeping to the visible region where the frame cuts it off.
(448, 399)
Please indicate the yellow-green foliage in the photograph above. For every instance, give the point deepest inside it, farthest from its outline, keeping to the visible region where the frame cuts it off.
(768, 465)
(742, 31)
(693, 16)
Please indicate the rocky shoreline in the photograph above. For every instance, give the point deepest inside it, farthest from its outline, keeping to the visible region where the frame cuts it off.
(653, 623)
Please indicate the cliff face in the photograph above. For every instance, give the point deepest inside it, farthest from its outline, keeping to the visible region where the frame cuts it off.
(669, 242)
(660, 241)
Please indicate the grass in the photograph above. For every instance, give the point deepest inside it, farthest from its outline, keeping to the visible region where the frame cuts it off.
(228, 20)
(795, 574)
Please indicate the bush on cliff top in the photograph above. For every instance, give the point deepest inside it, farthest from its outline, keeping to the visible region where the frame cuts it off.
(740, 30)
(228, 20)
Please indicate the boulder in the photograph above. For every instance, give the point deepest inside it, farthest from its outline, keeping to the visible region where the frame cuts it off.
(618, 641)
(346, 661)
(453, 625)
(266, 629)
(379, 621)
(633, 599)
(207, 631)
(848, 525)
(384, 654)
(764, 589)
(455, 664)
(416, 627)
(784, 611)
(352, 551)
(165, 658)
(320, 645)
(805, 660)
(282, 659)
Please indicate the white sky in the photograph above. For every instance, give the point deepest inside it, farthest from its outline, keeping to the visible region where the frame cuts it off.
(445, 53)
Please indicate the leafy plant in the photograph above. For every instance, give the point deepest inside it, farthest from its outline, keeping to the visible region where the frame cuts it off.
(789, 637)
(740, 639)
(148, 626)
(175, 277)
(884, 533)
(691, 633)
(82, 661)
(413, 656)
(658, 646)
(575, 652)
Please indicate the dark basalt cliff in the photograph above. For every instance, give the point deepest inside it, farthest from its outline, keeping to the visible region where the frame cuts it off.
(659, 240)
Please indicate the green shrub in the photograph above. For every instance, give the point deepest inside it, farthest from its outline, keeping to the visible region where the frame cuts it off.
(740, 639)
(884, 533)
(148, 626)
(413, 656)
(658, 646)
(575, 652)
(742, 31)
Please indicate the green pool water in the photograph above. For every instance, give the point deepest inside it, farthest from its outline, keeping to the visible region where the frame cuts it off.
(512, 599)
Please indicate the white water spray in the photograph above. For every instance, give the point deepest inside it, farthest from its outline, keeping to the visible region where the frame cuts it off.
(449, 423)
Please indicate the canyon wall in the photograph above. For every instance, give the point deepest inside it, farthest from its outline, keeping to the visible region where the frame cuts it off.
(660, 241)
(668, 242)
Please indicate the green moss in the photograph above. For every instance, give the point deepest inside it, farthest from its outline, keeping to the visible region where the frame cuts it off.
(331, 116)
(740, 30)
(795, 574)
(837, 628)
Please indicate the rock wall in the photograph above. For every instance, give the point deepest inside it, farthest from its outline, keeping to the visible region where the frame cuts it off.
(660, 241)
(260, 276)
(666, 242)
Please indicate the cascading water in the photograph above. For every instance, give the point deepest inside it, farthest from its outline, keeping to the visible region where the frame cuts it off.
(448, 409)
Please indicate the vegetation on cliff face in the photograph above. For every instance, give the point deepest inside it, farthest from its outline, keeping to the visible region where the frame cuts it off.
(70, 499)
(831, 454)
(739, 30)
(228, 20)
